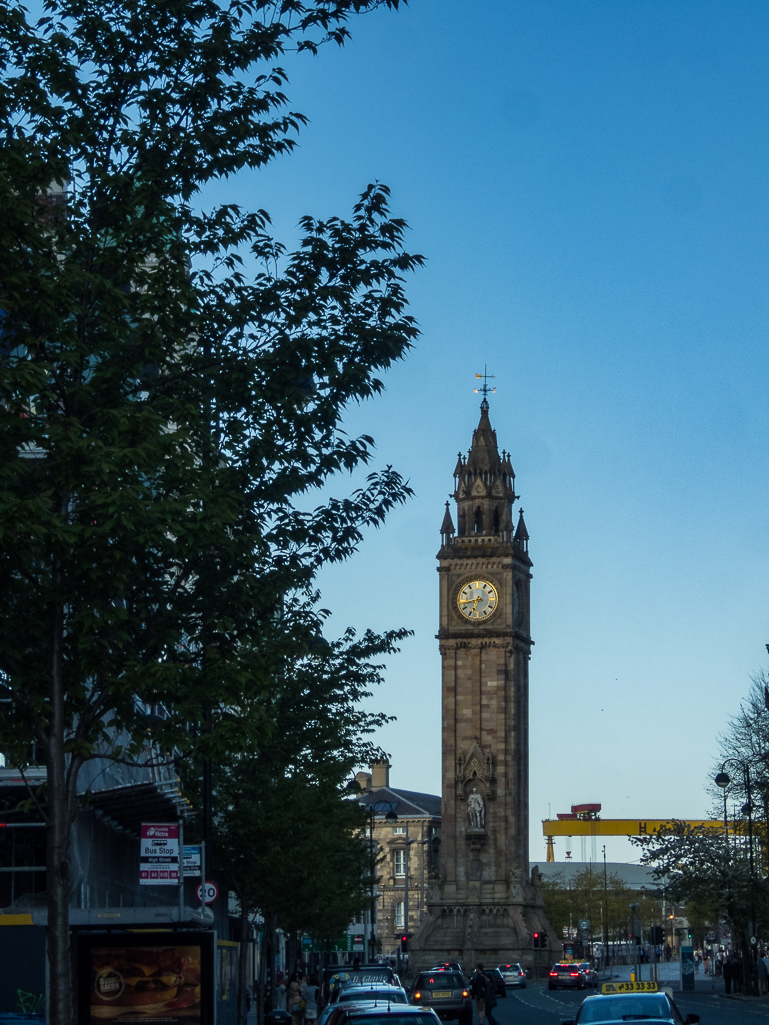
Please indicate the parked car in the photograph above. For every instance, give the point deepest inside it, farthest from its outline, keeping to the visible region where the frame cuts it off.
(591, 975)
(610, 1008)
(446, 993)
(564, 974)
(513, 974)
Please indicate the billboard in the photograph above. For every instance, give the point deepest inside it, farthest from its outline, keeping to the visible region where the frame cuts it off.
(149, 978)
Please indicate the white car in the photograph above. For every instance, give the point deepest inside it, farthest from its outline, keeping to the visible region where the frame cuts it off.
(513, 974)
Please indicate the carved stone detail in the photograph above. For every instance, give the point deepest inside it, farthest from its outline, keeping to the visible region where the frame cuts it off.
(476, 765)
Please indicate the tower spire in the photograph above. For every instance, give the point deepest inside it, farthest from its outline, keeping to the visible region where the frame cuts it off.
(484, 481)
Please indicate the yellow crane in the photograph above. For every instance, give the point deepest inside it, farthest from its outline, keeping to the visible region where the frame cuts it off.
(584, 820)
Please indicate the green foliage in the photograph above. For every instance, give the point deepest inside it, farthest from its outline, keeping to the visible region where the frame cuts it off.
(583, 896)
(164, 416)
(698, 867)
(286, 806)
(172, 386)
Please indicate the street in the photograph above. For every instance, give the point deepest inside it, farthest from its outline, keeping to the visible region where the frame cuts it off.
(536, 1005)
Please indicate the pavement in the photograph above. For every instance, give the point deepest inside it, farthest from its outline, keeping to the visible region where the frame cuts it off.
(670, 975)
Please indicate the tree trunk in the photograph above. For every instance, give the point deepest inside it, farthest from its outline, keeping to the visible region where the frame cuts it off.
(266, 978)
(243, 964)
(58, 840)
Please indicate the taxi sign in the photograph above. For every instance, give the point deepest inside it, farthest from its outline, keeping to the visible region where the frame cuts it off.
(629, 987)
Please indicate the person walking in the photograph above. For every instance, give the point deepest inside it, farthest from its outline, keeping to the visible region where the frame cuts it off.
(490, 1001)
(310, 992)
(295, 1000)
(280, 992)
(762, 975)
(478, 991)
(727, 970)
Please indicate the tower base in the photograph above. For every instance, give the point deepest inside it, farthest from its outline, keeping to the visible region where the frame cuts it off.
(491, 923)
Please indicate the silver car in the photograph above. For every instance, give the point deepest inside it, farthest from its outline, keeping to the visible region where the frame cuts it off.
(513, 974)
(591, 975)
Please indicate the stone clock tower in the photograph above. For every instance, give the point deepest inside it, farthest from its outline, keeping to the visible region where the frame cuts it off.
(484, 906)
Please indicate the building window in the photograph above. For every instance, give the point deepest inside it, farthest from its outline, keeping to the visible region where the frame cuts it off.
(399, 863)
(399, 829)
(400, 918)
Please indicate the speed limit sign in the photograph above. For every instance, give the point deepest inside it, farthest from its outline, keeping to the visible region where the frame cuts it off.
(711, 936)
(207, 893)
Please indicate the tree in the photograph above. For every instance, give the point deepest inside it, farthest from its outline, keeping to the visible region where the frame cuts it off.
(283, 806)
(165, 415)
(583, 897)
(699, 868)
(746, 741)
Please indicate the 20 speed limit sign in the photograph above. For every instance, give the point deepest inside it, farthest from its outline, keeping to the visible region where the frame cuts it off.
(207, 892)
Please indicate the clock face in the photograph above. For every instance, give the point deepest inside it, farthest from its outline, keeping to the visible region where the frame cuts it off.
(477, 600)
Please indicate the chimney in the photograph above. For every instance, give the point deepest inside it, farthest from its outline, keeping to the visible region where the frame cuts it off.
(380, 774)
(363, 779)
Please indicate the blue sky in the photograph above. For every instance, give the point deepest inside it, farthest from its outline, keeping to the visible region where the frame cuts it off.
(588, 183)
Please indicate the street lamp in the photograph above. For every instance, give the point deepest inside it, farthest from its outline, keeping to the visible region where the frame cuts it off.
(390, 815)
(636, 937)
(607, 960)
(723, 780)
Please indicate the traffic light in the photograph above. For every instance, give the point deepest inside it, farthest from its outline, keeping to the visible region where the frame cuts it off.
(657, 935)
(404, 943)
(538, 940)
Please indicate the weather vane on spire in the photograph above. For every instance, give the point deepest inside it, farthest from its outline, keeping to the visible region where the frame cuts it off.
(484, 388)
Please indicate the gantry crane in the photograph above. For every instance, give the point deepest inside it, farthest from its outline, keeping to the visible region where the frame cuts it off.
(584, 820)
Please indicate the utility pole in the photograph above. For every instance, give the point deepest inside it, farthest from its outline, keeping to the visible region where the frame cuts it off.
(406, 890)
(607, 959)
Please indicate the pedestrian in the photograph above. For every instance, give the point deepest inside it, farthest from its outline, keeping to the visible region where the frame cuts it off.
(478, 990)
(248, 999)
(295, 1000)
(310, 996)
(280, 991)
(490, 1001)
(727, 970)
(738, 969)
(762, 975)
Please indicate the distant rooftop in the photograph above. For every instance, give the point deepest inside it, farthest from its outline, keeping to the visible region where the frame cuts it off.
(405, 803)
(635, 876)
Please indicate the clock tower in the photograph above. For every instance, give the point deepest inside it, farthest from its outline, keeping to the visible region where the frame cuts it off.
(484, 905)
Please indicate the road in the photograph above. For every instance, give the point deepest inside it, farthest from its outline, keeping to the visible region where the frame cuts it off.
(536, 1005)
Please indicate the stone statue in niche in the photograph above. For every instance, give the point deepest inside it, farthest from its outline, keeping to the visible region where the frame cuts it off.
(476, 812)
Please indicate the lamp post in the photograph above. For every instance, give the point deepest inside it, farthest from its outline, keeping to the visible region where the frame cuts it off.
(607, 959)
(636, 937)
(723, 780)
(374, 809)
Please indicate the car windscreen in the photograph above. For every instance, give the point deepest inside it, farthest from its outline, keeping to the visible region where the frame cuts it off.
(360, 977)
(624, 1008)
(442, 980)
(360, 993)
(390, 1018)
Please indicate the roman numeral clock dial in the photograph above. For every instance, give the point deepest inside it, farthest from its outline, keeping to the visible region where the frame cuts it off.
(477, 600)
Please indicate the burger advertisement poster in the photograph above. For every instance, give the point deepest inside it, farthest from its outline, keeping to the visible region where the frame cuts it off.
(142, 979)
